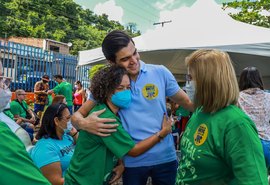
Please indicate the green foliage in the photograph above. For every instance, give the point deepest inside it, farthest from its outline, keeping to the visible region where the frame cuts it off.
(95, 69)
(251, 12)
(60, 20)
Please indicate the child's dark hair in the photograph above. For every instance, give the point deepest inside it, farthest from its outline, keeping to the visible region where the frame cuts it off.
(105, 81)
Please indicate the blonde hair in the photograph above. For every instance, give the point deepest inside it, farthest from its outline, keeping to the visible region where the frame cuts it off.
(19, 91)
(215, 79)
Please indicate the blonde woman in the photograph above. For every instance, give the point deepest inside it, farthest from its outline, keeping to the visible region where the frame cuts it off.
(220, 144)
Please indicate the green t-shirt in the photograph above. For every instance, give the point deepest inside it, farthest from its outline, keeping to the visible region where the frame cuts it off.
(65, 89)
(221, 148)
(95, 156)
(9, 114)
(182, 111)
(16, 166)
(16, 108)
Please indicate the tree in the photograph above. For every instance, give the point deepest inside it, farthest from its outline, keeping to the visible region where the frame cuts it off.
(60, 20)
(95, 69)
(251, 12)
(132, 29)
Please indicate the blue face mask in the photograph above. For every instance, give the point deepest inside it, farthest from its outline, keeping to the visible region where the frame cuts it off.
(69, 127)
(122, 99)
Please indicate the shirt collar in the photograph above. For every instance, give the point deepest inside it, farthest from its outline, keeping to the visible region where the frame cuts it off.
(143, 67)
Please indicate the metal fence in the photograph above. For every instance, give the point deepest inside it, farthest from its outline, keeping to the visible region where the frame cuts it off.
(27, 64)
(83, 75)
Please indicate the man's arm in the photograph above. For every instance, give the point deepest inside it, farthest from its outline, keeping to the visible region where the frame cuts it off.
(183, 100)
(92, 123)
(17, 117)
(83, 96)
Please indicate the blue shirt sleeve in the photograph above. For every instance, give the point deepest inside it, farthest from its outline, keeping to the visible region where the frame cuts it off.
(44, 153)
(171, 84)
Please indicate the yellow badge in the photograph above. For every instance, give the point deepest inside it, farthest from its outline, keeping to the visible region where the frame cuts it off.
(200, 135)
(150, 91)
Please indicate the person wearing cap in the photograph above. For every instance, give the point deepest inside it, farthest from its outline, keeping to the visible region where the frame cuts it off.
(40, 90)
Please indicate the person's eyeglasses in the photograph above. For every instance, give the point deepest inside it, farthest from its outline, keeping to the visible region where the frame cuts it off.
(188, 77)
(22, 94)
(5, 82)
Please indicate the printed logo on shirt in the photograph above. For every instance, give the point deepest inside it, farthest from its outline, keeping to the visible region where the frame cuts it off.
(150, 91)
(65, 150)
(200, 135)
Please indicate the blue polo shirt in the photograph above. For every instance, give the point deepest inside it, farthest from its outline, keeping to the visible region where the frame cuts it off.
(144, 116)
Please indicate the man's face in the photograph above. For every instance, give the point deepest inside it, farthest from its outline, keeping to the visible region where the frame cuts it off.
(128, 57)
(57, 80)
(22, 95)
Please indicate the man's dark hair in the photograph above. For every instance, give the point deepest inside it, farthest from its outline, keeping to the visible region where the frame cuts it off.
(58, 76)
(48, 127)
(114, 42)
(250, 78)
(105, 81)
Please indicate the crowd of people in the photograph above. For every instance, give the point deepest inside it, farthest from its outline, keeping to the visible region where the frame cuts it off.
(135, 119)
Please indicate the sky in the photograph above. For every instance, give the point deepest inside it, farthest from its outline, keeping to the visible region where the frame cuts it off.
(142, 12)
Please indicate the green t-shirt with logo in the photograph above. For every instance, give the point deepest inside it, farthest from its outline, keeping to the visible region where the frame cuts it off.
(16, 166)
(16, 108)
(65, 89)
(221, 148)
(94, 156)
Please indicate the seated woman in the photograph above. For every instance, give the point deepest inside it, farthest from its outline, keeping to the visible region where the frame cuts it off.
(95, 157)
(55, 146)
(62, 99)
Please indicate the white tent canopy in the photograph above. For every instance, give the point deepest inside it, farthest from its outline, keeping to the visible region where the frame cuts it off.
(203, 25)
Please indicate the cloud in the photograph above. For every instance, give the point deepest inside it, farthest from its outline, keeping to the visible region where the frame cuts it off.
(113, 11)
(164, 5)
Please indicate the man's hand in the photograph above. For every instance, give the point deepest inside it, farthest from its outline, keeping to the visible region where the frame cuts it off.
(95, 125)
(50, 92)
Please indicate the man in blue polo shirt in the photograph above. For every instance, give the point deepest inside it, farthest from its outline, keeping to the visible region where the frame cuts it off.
(150, 85)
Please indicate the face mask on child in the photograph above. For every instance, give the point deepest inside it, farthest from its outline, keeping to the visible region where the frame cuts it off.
(122, 99)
